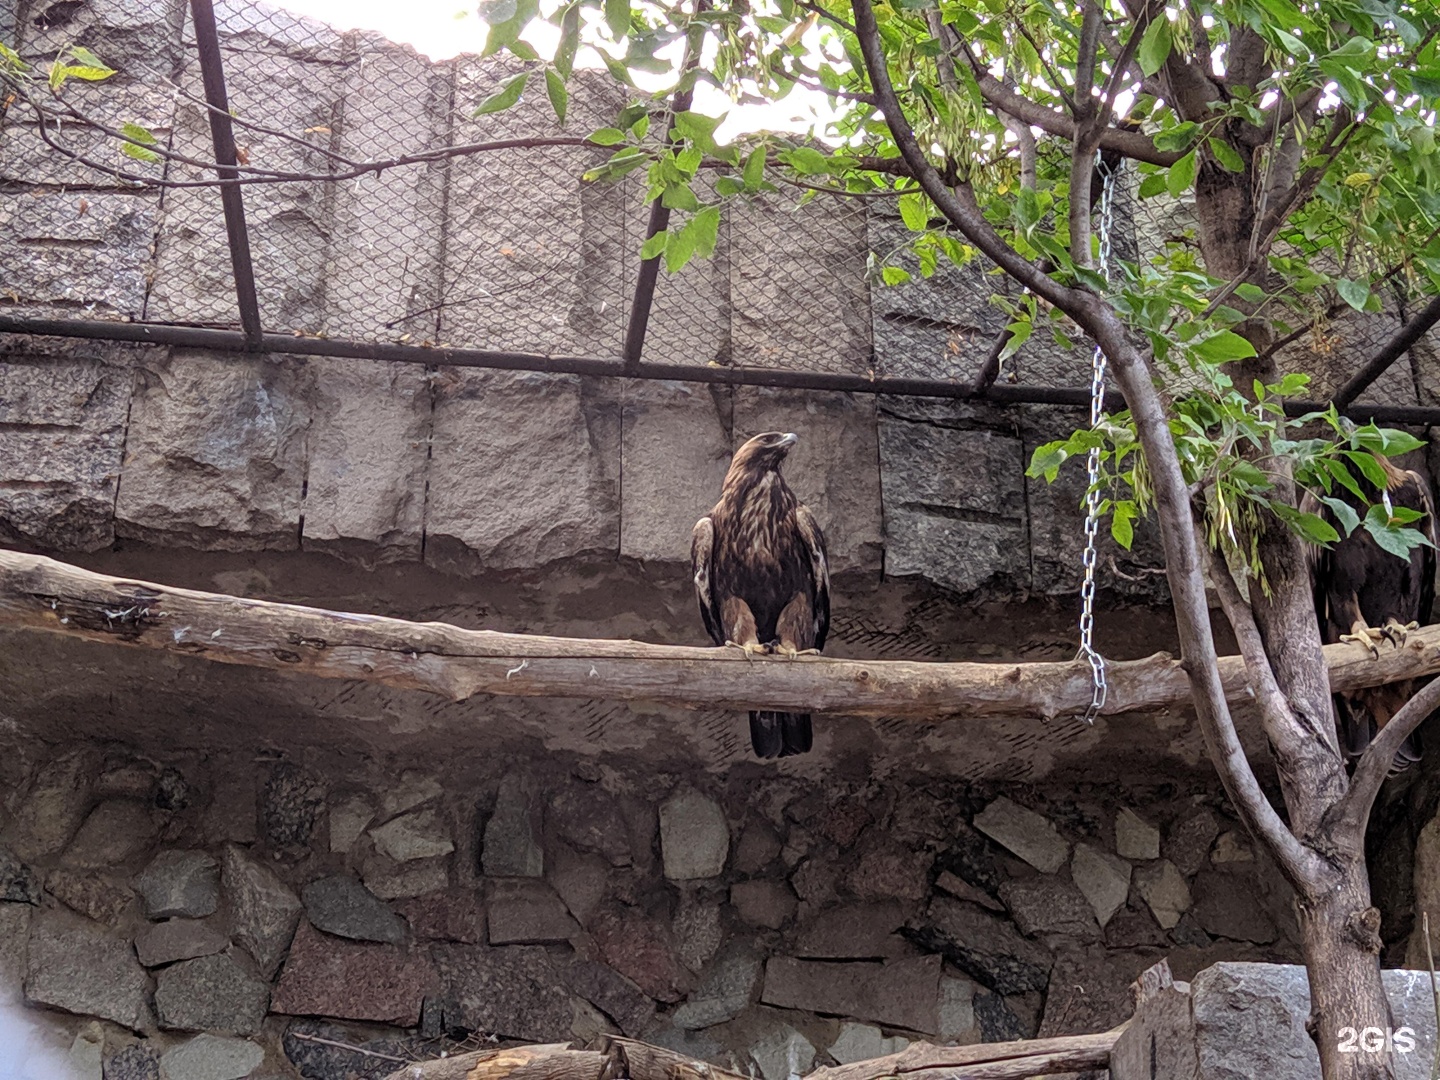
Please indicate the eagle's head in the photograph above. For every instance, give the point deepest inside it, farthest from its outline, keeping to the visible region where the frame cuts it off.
(764, 453)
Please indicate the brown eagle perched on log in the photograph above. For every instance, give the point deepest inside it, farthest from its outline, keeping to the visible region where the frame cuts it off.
(1367, 595)
(762, 577)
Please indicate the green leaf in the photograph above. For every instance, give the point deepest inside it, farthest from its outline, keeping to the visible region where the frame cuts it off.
(754, 173)
(1228, 157)
(617, 17)
(726, 186)
(1368, 466)
(1224, 346)
(1343, 476)
(1354, 293)
(559, 95)
(1397, 540)
(607, 136)
(90, 60)
(914, 212)
(679, 249)
(504, 98)
(655, 245)
(1122, 523)
(1344, 513)
(1155, 46)
(1047, 459)
(808, 161)
(1181, 175)
(1388, 441)
(706, 228)
(680, 197)
(569, 40)
(1311, 527)
(894, 275)
(1153, 185)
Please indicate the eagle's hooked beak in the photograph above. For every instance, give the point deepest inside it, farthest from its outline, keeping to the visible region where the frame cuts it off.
(789, 439)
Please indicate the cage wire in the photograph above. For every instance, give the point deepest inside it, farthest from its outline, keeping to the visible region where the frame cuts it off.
(506, 250)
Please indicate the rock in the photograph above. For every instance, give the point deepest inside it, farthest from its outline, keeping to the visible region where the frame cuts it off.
(446, 915)
(290, 805)
(727, 989)
(511, 846)
(178, 939)
(1049, 906)
(697, 929)
(87, 1053)
(1135, 838)
(861, 1042)
(815, 881)
(957, 1010)
(757, 849)
(91, 895)
(694, 836)
(884, 874)
(613, 994)
(641, 950)
(1164, 891)
(1025, 833)
(1188, 933)
(80, 967)
(514, 992)
(900, 993)
(527, 912)
(14, 934)
(211, 1057)
(115, 832)
(996, 1020)
(851, 931)
(212, 993)
(325, 1051)
(1132, 928)
(326, 976)
(397, 881)
(984, 946)
(347, 821)
(782, 1054)
(138, 1061)
(961, 889)
(180, 883)
(415, 789)
(763, 903)
(232, 814)
(1226, 911)
(1231, 848)
(581, 881)
(1090, 990)
(420, 835)
(18, 883)
(343, 907)
(54, 807)
(1187, 844)
(588, 818)
(843, 823)
(263, 911)
(1102, 878)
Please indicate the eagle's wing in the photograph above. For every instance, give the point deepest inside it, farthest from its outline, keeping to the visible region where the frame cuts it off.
(1427, 554)
(702, 549)
(813, 541)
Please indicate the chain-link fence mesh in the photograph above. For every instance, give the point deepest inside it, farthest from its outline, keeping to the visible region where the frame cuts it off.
(507, 250)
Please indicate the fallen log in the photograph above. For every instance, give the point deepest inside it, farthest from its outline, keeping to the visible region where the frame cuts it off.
(38, 593)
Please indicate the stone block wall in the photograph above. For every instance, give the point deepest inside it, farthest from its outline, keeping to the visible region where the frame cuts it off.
(273, 915)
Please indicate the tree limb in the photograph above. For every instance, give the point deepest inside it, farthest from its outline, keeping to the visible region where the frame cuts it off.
(1374, 764)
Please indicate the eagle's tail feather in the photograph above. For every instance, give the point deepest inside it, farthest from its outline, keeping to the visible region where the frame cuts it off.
(778, 734)
(1358, 729)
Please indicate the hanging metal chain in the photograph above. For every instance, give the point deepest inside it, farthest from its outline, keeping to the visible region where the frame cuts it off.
(1100, 689)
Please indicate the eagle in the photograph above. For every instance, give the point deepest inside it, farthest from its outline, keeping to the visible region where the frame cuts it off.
(1365, 594)
(762, 576)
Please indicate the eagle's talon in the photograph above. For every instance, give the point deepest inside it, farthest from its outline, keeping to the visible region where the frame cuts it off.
(1367, 636)
(1397, 633)
(751, 649)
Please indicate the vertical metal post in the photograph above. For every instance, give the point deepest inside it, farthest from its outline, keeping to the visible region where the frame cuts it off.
(212, 73)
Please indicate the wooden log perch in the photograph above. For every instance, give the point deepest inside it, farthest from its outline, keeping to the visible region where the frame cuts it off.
(615, 1058)
(37, 593)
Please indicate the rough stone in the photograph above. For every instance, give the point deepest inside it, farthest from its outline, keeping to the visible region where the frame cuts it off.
(1164, 891)
(1090, 990)
(1050, 906)
(233, 813)
(420, 835)
(850, 931)
(900, 993)
(348, 820)
(324, 1051)
(861, 1042)
(694, 836)
(342, 906)
(512, 840)
(815, 880)
(327, 976)
(961, 889)
(80, 967)
(763, 903)
(984, 946)
(446, 915)
(727, 989)
(698, 929)
(18, 883)
(527, 912)
(1134, 927)
(757, 848)
(1231, 847)
(415, 789)
(996, 1020)
(886, 874)
(290, 805)
(640, 949)
(1103, 878)
(14, 935)
(212, 993)
(54, 807)
(613, 994)
(183, 883)
(263, 910)
(178, 939)
(514, 992)
(115, 832)
(86, 1057)
(957, 1010)
(1226, 911)
(1188, 841)
(581, 881)
(1025, 833)
(1135, 838)
(138, 1061)
(588, 818)
(398, 881)
(211, 1057)
(782, 1054)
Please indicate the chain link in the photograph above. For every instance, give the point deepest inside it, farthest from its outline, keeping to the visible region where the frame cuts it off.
(1100, 689)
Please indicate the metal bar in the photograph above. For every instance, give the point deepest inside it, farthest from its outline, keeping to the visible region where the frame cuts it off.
(222, 133)
(233, 341)
(1392, 350)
